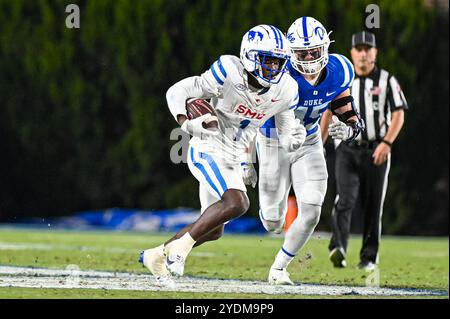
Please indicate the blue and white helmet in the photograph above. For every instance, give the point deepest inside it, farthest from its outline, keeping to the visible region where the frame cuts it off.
(261, 44)
(308, 36)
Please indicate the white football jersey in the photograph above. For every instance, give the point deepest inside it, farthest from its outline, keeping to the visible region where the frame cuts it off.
(240, 110)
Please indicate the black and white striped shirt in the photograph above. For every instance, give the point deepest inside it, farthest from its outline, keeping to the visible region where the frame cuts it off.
(376, 96)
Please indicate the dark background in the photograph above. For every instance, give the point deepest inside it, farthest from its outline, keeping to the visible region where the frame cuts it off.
(84, 123)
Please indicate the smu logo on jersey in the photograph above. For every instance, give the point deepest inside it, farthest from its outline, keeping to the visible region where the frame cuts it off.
(245, 111)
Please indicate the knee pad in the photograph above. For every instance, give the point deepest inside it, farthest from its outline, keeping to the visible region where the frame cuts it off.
(271, 221)
(313, 196)
(310, 215)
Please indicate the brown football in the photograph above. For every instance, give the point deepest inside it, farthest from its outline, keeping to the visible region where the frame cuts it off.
(197, 107)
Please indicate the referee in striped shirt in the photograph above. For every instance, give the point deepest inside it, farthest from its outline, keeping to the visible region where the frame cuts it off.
(362, 165)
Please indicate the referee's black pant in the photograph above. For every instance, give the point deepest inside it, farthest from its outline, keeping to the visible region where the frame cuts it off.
(357, 175)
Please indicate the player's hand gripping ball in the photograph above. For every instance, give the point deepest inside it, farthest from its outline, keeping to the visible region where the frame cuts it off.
(198, 107)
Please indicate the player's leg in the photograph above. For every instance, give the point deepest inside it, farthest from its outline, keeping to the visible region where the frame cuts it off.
(309, 179)
(214, 234)
(155, 258)
(274, 183)
(206, 200)
(225, 183)
(233, 204)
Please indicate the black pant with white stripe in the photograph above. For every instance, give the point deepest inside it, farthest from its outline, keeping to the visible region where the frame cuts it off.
(357, 175)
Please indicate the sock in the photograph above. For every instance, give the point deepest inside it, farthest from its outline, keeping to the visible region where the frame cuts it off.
(282, 259)
(181, 246)
(297, 235)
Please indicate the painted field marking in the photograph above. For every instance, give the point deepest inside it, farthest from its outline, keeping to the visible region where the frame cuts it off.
(90, 279)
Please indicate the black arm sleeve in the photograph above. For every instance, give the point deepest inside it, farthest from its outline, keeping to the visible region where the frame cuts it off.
(357, 126)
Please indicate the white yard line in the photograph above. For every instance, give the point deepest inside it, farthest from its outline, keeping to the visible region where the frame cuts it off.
(73, 279)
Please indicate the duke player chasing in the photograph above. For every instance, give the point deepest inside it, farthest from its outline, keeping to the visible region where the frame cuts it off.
(323, 82)
(245, 93)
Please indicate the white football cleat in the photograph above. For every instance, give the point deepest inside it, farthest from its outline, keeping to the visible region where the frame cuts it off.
(279, 277)
(154, 259)
(175, 264)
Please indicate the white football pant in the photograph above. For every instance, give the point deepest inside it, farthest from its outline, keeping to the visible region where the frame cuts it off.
(308, 175)
(215, 176)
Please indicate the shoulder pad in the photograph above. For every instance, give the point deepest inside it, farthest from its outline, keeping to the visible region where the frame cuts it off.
(225, 68)
(342, 69)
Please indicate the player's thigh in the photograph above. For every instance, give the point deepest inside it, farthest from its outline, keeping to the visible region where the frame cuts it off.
(309, 175)
(206, 198)
(214, 175)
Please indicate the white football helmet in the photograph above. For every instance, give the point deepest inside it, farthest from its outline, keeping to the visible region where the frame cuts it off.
(265, 53)
(307, 36)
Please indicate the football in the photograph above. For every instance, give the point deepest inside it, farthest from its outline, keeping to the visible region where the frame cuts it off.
(197, 107)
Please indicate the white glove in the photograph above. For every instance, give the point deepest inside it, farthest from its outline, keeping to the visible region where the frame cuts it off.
(195, 127)
(249, 174)
(339, 130)
(292, 142)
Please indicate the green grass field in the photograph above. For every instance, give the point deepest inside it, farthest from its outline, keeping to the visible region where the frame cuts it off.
(404, 262)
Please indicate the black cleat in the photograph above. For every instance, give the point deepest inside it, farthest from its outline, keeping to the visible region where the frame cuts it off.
(337, 257)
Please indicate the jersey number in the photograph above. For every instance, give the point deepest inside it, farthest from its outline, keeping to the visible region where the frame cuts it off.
(313, 114)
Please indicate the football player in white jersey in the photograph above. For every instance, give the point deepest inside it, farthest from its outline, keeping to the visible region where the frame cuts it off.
(323, 82)
(244, 92)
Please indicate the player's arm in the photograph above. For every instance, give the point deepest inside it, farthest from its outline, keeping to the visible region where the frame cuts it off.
(291, 133)
(208, 85)
(325, 121)
(343, 108)
(195, 86)
(249, 174)
(284, 122)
